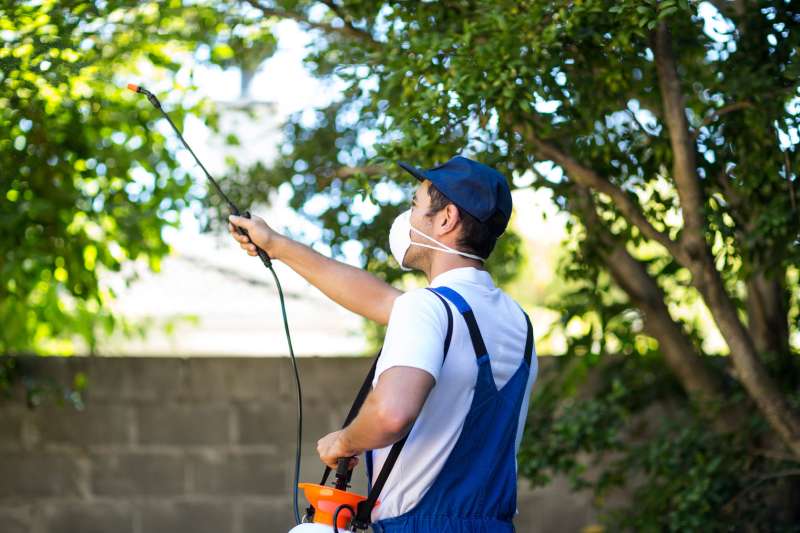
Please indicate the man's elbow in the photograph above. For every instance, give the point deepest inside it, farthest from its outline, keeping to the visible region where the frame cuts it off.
(395, 421)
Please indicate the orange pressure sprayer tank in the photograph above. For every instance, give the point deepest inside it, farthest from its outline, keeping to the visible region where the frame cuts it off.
(326, 500)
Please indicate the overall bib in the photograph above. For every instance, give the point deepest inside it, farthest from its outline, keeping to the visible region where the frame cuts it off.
(476, 491)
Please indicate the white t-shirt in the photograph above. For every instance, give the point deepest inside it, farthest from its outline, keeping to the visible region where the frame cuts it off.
(415, 338)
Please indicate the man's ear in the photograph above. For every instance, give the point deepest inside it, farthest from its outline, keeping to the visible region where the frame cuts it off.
(449, 222)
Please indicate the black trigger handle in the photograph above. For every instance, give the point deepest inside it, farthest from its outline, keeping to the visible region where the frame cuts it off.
(264, 256)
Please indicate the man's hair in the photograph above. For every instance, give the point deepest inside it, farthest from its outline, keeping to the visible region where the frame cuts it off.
(476, 237)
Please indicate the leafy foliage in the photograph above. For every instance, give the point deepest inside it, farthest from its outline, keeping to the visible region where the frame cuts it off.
(89, 181)
(534, 88)
(620, 426)
(520, 85)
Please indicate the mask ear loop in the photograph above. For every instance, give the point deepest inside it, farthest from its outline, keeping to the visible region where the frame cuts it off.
(444, 247)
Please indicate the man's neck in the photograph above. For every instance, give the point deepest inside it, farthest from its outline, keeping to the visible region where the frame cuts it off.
(442, 262)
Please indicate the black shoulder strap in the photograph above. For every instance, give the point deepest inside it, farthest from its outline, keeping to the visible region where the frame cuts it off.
(449, 334)
(363, 516)
(528, 340)
(357, 403)
(469, 317)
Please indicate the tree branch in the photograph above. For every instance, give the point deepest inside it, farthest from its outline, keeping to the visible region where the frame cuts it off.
(589, 178)
(729, 8)
(750, 371)
(639, 124)
(787, 169)
(717, 113)
(700, 383)
(347, 30)
(684, 168)
(348, 22)
(698, 259)
(369, 170)
(767, 318)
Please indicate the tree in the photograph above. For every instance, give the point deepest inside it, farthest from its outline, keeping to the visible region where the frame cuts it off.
(669, 142)
(666, 129)
(88, 180)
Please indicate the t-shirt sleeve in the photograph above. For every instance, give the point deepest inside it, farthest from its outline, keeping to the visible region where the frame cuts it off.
(415, 334)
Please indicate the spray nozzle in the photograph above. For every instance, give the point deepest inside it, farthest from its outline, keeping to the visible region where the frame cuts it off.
(150, 96)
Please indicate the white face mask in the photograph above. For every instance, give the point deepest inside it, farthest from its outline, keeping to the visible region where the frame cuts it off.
(400, 240)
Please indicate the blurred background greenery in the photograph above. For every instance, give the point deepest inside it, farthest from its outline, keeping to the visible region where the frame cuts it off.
(665, 133)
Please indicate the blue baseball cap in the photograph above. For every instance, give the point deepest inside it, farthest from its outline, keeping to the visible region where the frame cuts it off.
(476, 188)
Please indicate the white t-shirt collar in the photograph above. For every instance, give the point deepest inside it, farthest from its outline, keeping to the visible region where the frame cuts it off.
(463, 274)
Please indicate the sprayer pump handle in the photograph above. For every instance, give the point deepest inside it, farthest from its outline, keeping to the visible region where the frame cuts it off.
(342, 472)
(265, 258)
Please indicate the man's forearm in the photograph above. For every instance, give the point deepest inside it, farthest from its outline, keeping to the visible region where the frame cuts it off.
(371, 430)
(353, 288)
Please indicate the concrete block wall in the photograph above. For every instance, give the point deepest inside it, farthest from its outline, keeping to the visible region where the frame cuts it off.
(188, 445)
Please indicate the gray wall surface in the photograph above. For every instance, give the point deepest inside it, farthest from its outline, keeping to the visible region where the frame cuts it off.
(200, 445)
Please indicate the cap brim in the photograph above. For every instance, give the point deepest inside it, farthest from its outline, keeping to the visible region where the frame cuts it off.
(411, 169)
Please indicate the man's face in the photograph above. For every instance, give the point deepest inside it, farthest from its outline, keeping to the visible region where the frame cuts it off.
(417, 257)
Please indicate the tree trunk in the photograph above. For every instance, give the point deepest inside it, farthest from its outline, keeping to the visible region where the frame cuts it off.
(701, 384)
(696, 255)
(749, 370)
(767, 314)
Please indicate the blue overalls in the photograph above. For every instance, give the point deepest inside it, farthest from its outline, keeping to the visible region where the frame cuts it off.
(476, 491)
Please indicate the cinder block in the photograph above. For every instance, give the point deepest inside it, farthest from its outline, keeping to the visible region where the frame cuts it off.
(93, 425)
(194, 517)
(85, 517)
(276, 424)
(333, 380)
(137, 474)
(31, 475)
(269, 515)
(553, 508)
(51, 369)
(15, 519)
(239, 474)
(133, 379)
(210, 379)
(184, 425)
(10, 427)
(43, 371)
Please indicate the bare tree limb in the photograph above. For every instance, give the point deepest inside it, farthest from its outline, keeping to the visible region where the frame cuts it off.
(700, 383)
(639, 124)
(696, 255)
(369, 170)
(717, 113)
(346, 19)
(684, 169)
(787, 168)
(346, 30)
(325, 176)
(785, 473)
(589, 178)
(729, 8)
(749, 369)
(767, 317)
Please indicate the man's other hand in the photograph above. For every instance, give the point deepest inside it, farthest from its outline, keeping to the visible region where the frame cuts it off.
(333, 446)
(260, 234)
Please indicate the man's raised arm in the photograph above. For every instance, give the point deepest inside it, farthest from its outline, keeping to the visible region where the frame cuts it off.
(353, 288)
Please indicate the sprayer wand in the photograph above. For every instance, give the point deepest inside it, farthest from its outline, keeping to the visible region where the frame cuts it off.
(265, 258)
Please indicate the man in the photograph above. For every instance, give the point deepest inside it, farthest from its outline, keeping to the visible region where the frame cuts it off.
(461, 392)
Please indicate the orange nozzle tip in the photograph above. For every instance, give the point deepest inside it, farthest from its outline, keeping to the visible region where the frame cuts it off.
(133, 87)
